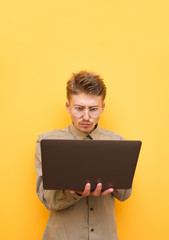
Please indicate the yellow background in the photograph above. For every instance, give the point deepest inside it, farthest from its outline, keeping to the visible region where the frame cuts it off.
(41, 44)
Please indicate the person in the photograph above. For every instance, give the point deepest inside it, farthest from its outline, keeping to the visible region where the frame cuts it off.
(82, 215)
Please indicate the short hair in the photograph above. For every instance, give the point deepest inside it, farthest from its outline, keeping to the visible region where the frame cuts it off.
(86, 82)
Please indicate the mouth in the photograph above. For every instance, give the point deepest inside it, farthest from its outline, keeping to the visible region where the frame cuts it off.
(85, 124)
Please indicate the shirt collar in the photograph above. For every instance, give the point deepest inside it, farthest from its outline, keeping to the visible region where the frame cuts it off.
(81, 135)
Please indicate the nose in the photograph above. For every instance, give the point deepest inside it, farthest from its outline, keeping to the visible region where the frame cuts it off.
(86, 115)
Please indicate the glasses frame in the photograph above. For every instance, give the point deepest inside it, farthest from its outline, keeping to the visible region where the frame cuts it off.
(81, 114)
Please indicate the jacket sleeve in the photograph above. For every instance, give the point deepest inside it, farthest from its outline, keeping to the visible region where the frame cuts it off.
(122, 194)
(52, 199)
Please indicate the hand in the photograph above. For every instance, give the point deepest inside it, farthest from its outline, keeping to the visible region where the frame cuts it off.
(96, 192)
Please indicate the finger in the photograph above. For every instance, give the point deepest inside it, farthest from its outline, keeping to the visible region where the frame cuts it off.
(72, 191)
(86, 191)
(78, 192)
(98, 189)
(110, 190)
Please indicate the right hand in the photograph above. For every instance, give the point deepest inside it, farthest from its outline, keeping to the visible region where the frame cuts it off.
(97, 192)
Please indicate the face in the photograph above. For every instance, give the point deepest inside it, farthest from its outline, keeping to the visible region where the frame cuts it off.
(85, 123)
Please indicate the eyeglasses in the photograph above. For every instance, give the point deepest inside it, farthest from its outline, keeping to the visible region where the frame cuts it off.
(79, 111)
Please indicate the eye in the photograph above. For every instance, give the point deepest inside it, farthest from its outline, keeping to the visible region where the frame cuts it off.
(79, 108)
(93, 109)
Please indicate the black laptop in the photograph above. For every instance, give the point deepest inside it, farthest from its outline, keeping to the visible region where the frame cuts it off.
(70, 164)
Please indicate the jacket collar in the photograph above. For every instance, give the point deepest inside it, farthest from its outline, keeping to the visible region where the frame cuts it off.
(82, 135)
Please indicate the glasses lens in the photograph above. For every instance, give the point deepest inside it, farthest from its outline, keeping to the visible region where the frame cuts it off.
(76, 113)
(94, 114)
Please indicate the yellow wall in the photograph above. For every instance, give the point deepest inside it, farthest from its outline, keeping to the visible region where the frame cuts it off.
(41, 44)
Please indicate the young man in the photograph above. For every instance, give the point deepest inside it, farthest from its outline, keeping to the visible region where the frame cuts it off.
(82, 215)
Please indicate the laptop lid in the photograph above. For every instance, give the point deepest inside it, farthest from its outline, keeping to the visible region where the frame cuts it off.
(70, 164)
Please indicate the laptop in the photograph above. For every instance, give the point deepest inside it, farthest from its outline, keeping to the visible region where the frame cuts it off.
(70, 164)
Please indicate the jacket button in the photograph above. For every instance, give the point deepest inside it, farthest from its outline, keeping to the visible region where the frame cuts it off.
(91, 209)
(92, 230)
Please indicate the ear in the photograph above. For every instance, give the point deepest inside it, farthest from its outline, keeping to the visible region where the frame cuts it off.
(103, 106)
(68, 106)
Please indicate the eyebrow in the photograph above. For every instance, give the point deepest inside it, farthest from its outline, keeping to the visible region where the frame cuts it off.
(84, 106)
